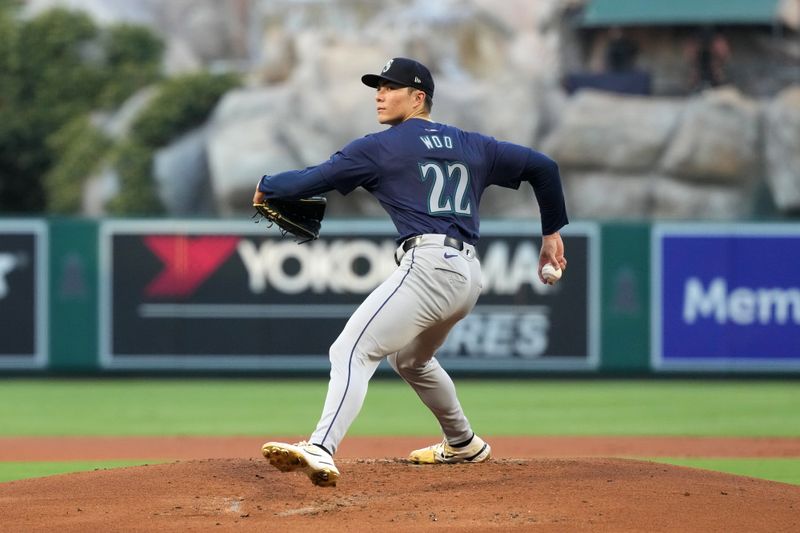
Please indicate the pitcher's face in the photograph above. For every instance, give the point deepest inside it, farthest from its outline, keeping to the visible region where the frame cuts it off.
(395, 103)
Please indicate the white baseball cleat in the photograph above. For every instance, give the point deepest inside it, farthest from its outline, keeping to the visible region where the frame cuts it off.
(305, 457)
(476, 451)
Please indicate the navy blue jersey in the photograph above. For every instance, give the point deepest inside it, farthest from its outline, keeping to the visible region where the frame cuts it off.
(429, 177)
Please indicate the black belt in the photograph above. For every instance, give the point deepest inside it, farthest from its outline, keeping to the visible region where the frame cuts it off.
(416, 241)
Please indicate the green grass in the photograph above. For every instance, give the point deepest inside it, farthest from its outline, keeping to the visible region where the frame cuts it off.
(695, 408)
(12, 470)
(264, 407)
(30, 407)
(783, 469)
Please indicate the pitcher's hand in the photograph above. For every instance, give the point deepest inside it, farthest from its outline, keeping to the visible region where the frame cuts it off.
(552, 252)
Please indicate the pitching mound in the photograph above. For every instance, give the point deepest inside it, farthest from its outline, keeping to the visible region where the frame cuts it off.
(591, 494)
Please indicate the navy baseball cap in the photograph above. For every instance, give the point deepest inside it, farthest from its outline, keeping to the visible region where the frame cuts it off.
(405, 72)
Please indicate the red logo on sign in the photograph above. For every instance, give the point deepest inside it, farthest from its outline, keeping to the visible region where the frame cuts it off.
(187, 262)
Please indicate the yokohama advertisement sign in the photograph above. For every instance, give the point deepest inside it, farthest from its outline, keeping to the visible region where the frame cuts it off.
(235, 296)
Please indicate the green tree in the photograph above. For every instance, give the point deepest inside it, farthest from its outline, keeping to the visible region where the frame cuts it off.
(182, 103)
(58, 67)
(134, 163)
(60, 71)
(132, 59)
(49, 84)
(12, 193)
(8, 55)
(79, 149)
(54, 68)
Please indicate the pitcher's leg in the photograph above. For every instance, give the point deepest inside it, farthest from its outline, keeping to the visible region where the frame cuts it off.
(381, 325)
(351, 370)
(417, 365)
(419, 368)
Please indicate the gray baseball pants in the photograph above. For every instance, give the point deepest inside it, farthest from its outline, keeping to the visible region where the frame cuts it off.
(406, 319)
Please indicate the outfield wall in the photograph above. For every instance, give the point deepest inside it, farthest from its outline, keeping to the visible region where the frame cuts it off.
(120, 296)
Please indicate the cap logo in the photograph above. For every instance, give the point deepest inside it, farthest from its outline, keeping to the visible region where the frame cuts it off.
(387, 66)
(417, 80)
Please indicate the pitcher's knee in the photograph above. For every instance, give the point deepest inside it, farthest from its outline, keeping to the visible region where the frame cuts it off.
(410, 367)
(345, 352)
(338, 353)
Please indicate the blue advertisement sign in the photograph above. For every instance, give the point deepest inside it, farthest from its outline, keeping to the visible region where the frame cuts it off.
(726, 297)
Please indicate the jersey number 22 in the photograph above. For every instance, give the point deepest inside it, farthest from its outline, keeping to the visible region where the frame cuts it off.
(439, 201)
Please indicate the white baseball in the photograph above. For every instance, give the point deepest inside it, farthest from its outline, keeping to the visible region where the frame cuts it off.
(550, 273)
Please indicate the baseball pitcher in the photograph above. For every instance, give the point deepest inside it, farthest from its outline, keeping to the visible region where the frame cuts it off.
(429, 177)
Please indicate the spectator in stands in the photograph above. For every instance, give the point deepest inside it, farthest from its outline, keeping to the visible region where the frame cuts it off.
(709, 55)
(621, 51)
(619, 74)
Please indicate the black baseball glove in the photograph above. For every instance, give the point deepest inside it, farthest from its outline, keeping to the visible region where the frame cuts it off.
(300, 218)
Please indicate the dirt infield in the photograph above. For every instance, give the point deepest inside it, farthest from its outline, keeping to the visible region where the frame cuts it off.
(540, 484)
